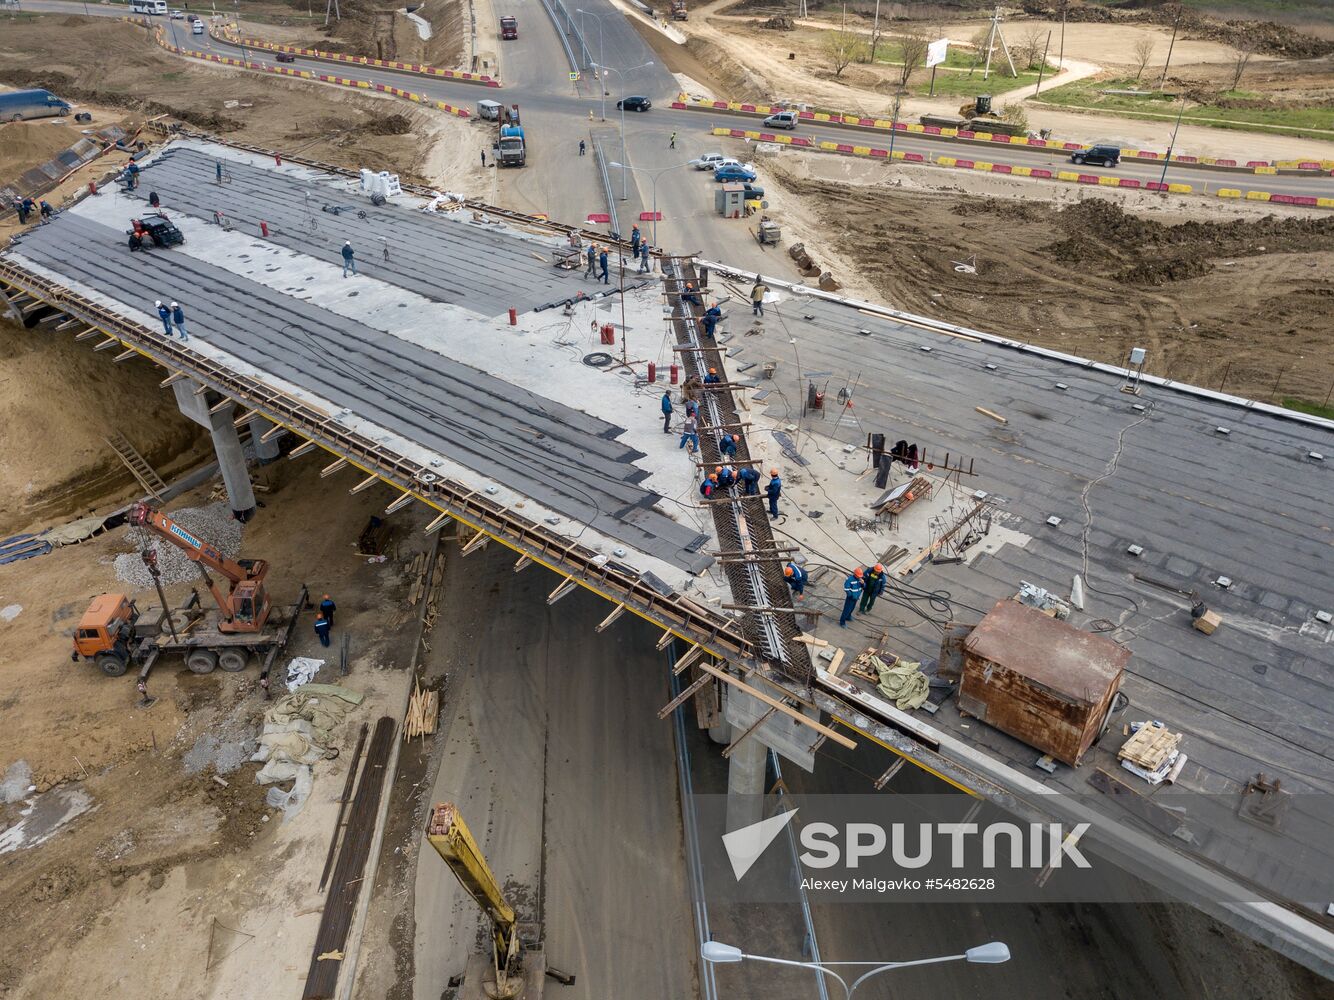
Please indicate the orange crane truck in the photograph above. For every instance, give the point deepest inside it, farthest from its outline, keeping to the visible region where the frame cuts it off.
(114, 633)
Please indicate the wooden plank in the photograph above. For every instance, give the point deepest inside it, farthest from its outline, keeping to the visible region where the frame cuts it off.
(992, 414)
(366, 483)
(244, 418)
(836, 662)
(522, 563)
(684, 696)
(437, 523)
(333, 467)
(400, 503)
(474, 543)
(302, 449)
(741, 685)
(616, 612)
(564, 588)
(666, 639)
(687, 658)
(809, 640)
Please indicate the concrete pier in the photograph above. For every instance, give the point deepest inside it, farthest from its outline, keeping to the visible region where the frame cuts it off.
(226, 444)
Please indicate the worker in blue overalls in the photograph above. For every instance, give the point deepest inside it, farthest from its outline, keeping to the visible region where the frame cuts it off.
(796, 579)
(852, 592)
(322, 629)
(773, 490)
(327, 608)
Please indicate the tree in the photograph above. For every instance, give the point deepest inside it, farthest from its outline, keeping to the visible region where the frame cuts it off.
(1143, 53)
(1029, 50)
(914, 54)
(1241, 56)
(842, 48)
(979, 43)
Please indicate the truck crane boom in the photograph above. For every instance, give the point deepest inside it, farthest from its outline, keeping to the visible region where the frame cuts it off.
(245, 604)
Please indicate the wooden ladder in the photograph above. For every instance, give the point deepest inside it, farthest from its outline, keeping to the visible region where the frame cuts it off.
(136, 463)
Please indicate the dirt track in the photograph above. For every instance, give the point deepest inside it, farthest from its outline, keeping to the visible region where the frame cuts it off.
(1248, 300)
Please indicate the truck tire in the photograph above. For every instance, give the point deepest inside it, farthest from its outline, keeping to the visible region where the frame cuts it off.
(111, 665)
(233, 660)
(201, 661)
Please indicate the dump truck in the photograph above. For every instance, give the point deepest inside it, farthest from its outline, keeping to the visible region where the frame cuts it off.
(114, 633)
(511, 148)
(509, 28)
(679, 12)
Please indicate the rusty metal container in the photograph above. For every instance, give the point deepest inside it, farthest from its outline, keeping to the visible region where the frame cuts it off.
(1040, 680)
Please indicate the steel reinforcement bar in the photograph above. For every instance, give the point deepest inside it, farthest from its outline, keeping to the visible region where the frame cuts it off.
(620, 584)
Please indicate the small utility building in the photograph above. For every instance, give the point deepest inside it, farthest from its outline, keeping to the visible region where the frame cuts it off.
(1040, 680)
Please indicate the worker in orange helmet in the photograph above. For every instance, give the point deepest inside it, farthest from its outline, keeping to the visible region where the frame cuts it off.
(796, 579)
(852, 592)
(710, 486)
(873, 585)
(727, 445)
(322, 629)
(690, 295)
(327, 608)
(712, 378)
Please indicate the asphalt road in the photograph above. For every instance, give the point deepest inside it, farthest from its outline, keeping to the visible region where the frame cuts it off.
(535, 73)
(550, 745)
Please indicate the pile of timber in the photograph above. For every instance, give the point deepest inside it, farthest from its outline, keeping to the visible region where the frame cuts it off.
(1150, 747)
(423, 711)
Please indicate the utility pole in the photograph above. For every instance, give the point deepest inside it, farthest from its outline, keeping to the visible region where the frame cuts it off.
(1176, 21)
(1172, 145)
(1060, 62)
(875, 31)
(1043, 67)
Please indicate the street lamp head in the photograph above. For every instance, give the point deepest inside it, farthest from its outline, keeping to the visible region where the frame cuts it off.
(992, 953)
(716, 951)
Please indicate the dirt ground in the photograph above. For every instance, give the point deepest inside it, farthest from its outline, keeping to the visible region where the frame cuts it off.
(735, 59)
(43, 374)
(68, 55)
(166, 874)
(1239, 299)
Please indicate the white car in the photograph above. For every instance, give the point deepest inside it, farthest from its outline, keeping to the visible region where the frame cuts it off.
(178, 15)
(729, 161)
(708, 161)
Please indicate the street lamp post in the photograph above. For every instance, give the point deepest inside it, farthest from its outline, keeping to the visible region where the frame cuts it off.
(584, 13)
(656, 174)
(893, 120)
(984, 954)
(625, 178)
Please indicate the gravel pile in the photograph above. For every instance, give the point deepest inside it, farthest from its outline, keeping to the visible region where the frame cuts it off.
(214, 524)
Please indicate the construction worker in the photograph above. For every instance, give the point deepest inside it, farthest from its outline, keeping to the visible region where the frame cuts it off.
(484, 158)
(852, 592)
(217, 170)
(671, 143)
(796, 579)
(711, 317)
(727, 445)
(757, 297)
(21, 209)
(749, 478)
(322, 629)
(132, 175)
(690, 295)
(602, 263)
(634, 241)
(773, 490)
(581, 147)
(726, 476)
(164, 314)
(327, 608)
(349, 258)
(592, 255)
(666, 411)
(712, 378)
(154, 200)
(690, 433)
(873, 585)
(178, 319)
(643, 258)
(690, 391)
(44, 207)
(709, 486)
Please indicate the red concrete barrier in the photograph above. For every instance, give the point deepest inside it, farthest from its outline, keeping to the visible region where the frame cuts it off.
(914, 157)
(1257, 163)
(931, 129)
(1308, 165)
(1282, 199)
(964, 164)
(1188, 159)
(600, 217)
(1127, 182)
(1088, 179)
(965, 134)
(880, 152)
(1001, 168)
(1155, 186)
(1225, 163)
(650, 216)
(1042, 172)
(1304, 199)
(844, 147)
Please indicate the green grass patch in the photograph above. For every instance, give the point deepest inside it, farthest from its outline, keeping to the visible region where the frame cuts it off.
(965, 85)
(1306, 406)
(1314, 123)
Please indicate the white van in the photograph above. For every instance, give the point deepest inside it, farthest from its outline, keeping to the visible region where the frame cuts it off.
(148, 7)
(197, 28)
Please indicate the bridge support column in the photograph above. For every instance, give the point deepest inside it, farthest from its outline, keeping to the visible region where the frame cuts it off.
(226, 445)
(265, 451)
(745, 781)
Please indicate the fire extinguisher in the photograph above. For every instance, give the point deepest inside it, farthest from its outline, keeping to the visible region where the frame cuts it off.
(652, 371)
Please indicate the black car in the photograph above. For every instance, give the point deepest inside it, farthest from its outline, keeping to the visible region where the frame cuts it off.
(1106, 156)
(752, 192)
(634, 104)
